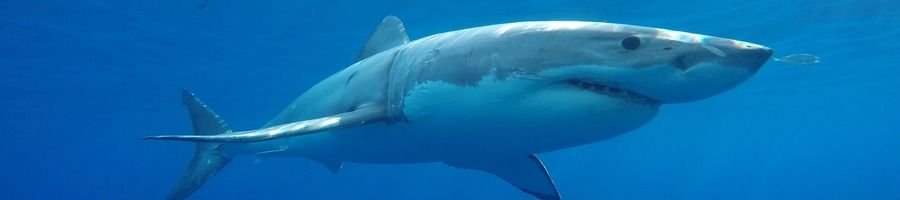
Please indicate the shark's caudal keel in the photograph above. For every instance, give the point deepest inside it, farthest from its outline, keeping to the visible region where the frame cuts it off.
(486, 98)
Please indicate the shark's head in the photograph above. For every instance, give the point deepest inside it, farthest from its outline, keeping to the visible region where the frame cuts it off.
(590, 80)
(642, 63)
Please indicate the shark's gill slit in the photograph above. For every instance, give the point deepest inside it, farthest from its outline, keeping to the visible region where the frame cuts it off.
(350, 77)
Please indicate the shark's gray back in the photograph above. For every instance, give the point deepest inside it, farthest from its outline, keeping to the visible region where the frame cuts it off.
(363, 83)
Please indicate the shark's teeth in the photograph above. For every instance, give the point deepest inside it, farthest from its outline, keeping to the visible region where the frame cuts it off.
(613, 91)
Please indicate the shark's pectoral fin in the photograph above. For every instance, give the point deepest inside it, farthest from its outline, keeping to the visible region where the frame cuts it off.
(360, 116)
(526, 173)
(389, 34)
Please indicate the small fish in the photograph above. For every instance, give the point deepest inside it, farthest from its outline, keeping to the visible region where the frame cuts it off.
(799, 59)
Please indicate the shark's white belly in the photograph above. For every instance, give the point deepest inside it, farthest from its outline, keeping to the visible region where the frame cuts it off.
(496, 117)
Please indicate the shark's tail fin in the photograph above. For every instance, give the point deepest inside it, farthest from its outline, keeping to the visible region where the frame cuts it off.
(208, 158)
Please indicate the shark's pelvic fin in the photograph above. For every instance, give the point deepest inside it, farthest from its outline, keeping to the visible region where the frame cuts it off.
(363, 115)
(334, 166)
(525, 172)
(389, 34)
(208, 159)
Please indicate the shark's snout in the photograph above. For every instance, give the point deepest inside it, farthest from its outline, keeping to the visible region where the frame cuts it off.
(751, 58)
(719, 65)
(738, 53)
(689, 66)
(757, 57)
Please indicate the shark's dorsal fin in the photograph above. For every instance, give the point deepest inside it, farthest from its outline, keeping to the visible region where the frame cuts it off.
(389, 34)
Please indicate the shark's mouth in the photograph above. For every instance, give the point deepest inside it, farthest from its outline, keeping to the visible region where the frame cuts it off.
(613, 91)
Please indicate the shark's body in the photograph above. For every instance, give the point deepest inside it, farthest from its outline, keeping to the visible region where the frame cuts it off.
(485, 98)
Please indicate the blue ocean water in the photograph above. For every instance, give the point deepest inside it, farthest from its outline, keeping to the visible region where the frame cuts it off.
(81, 81)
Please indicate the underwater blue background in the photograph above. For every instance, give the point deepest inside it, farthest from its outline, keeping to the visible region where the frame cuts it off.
(81, 81)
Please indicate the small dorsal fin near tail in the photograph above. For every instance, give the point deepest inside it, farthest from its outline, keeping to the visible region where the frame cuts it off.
(208, 159)
(389, 34)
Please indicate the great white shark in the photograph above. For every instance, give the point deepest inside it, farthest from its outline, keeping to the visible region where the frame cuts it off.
(488, 98)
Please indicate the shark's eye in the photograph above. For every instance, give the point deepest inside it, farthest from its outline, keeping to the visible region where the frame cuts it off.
(631, 43)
